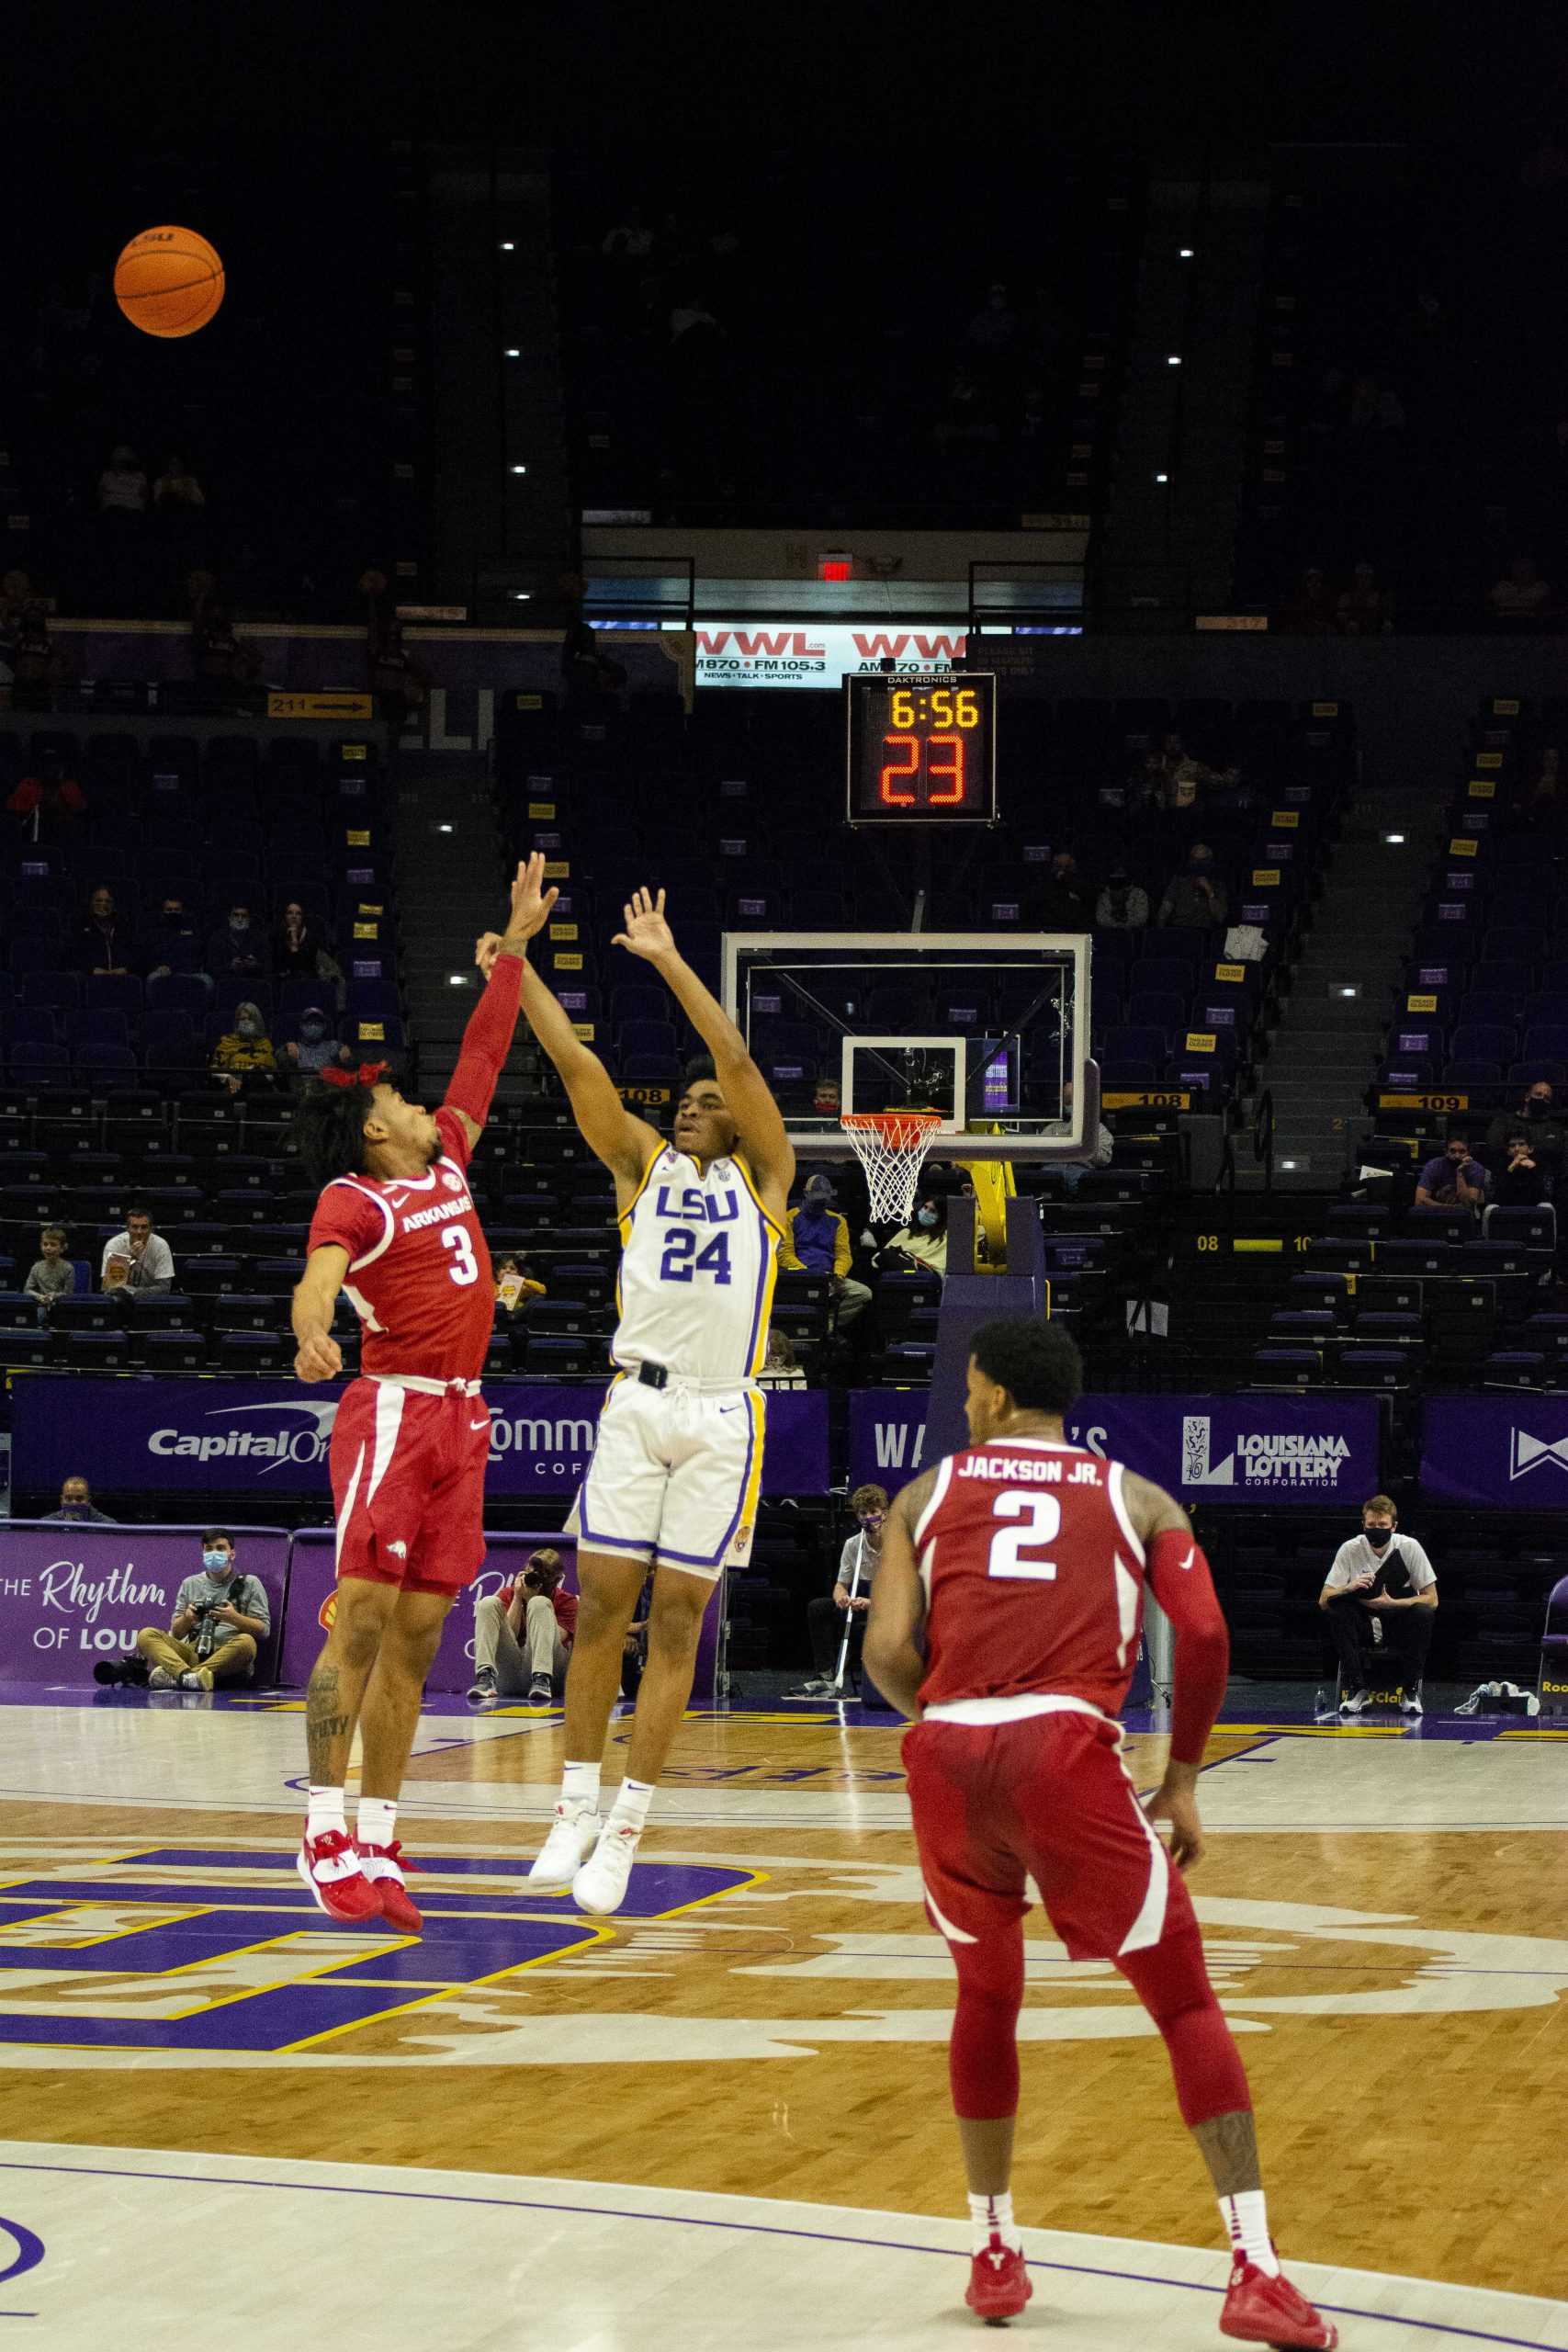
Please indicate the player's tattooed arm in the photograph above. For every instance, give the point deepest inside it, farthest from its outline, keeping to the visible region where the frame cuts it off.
(894, 1655)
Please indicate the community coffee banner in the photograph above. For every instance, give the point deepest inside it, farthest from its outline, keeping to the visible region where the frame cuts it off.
(197, 1437)
(71, 1595)
(1510, 1453)
(1235, 1450)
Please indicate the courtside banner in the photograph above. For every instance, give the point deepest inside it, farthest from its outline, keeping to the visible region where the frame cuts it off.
(190, 1437)
(71, 1595)
(1505, 1453)
(1226, 1450)
(312, 1603)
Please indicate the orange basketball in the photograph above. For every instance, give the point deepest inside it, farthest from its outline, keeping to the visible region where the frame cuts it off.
(168, 282)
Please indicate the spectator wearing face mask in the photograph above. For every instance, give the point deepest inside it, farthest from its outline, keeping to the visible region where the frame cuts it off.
(76, 1507)
(819, 1243)
(1195, 899)
(317, 1048)
(1379, 1599)
(220, 1618)
(244, 1061)
(173, 946)
(1065, 903)
(1453, 1180)
(1122, 904)
(1521, 1183)
(1539, 1117)
(922, 1241)
(237, 948)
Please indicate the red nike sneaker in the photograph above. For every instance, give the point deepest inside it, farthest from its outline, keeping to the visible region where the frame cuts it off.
(999, 2283)
(330, 1867)
(383, 1866)
(1260, 2309)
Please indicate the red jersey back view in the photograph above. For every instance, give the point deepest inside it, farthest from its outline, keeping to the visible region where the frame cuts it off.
(1033, 1576)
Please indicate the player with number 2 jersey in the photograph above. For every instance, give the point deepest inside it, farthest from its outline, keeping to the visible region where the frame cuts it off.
(1024, 1559)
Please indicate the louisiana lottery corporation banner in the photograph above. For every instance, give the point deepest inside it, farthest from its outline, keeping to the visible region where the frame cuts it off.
(1205, 1450)
(190, 1437)
(1510, 1453)
(71, 1595)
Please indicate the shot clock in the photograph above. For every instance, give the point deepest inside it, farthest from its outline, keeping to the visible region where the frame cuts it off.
(921, 748)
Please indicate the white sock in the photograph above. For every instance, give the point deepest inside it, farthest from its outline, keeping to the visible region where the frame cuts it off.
(630, 1808)
(579, 1785)
(325, 1811)
(377, 1819)
(1245, 2216)
(992, 2217)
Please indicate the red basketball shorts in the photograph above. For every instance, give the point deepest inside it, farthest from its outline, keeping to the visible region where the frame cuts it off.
(407, 1468)
(1042, 1797)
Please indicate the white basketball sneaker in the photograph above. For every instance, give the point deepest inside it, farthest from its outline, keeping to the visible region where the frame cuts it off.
(574, 1833)
(599, 1886)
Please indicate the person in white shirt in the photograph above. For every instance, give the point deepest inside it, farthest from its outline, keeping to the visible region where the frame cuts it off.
(148, 1259)
(1380, 1600)
(857, 1566)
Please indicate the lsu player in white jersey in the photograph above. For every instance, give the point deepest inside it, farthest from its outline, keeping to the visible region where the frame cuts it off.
(677, 1465)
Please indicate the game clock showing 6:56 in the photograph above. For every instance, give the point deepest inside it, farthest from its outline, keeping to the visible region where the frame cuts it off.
(921, 748)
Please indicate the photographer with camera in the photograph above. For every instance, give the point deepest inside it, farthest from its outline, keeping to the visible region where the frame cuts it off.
(1380, 1600)
(522, 1634)
(220, 1619)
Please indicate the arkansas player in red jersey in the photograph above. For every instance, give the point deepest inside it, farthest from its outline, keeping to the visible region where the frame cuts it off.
(1028, 1557)
(395, 1230)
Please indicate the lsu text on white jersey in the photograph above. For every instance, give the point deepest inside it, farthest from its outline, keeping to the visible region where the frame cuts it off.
(699, 1259)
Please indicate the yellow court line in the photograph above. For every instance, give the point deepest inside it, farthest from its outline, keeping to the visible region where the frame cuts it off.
(356, 2025)
(1533, 1735)
(1313, 1731)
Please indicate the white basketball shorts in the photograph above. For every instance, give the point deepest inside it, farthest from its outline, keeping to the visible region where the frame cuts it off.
(674, 1476)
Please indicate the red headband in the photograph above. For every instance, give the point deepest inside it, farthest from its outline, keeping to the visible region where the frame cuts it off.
(368, 1074)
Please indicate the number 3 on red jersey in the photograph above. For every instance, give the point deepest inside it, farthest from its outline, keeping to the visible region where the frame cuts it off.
(464, 1265)
(1014, 1550)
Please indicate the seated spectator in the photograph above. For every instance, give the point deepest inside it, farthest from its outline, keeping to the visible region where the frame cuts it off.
(173, 946)
(36, 668)
(122, 485)
(104, 944)
(49, 803)
(827, 1098)
(781, 1366)
(220, 1618)
(51, 1275)
(1521, 594)
(300, 950)
(1452, 1180)
(826, 1615)
(75, 1508)
(1195, 899)
(317, 1048)
(216, 653)
(237, 948)
(1312, 611)
(1065, 903)
(1522, 1183)
(1538, 1118)
(1122, 904)
(922, 1242)
(146, 1257)
(244, 1061)
(1184, 776)
(1365, 609)
(1541, 801)
(176, 486)
(515, 1288)
(522, 1634)
(819, 1243)
(1378, 1598)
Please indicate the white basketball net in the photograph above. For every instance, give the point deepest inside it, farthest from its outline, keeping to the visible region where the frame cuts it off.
(891, 1147)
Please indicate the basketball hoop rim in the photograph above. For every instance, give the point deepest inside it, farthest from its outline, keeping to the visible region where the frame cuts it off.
(899, 1129)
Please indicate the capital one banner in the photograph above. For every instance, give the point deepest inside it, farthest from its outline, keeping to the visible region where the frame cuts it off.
(1508, 1452)
(1205, 1450)
(189, 1438)
(70, 1596)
